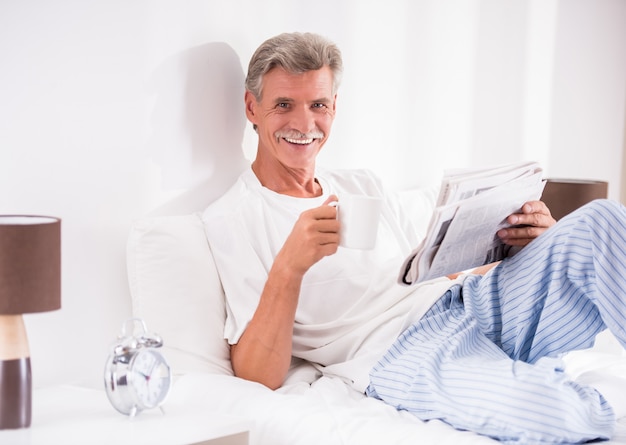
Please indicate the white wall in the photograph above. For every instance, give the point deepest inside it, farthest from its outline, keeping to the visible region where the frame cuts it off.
(112, 110)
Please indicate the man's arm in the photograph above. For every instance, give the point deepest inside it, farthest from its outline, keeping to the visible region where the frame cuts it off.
(263, 353)
(480, 270)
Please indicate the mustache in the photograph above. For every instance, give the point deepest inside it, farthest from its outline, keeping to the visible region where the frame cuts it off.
(294, 134)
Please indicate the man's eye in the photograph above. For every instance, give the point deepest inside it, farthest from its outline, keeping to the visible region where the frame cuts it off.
(319, 105)
(282, 105)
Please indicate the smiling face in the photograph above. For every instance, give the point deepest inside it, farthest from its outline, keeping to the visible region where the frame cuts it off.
(293, 119)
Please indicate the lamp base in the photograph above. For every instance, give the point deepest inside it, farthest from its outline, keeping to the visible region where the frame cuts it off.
(15, 374)
(15, 393)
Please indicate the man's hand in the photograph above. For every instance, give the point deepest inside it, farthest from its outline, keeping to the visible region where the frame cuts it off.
(534, 219)
(314, 236)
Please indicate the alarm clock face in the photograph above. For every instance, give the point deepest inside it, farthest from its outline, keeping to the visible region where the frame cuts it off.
(149, 378)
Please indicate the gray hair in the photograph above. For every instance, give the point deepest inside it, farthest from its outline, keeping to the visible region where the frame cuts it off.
(296, 53)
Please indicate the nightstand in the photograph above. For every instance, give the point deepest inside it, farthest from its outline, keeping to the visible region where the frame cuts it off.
(69, 415)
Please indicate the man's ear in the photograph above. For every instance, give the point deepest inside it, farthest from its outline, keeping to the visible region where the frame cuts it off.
(251, 106)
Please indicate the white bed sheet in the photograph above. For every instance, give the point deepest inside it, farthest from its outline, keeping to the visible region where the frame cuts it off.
(329, 412)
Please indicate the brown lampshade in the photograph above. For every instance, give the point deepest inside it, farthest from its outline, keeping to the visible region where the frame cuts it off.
(30, 264)
(563, 196)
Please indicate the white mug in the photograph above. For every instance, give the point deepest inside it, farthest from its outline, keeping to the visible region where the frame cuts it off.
(359, 216)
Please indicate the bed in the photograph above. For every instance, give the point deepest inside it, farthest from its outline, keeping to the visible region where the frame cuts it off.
(176, 290)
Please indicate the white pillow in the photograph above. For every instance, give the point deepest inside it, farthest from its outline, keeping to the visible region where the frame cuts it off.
(176, 290)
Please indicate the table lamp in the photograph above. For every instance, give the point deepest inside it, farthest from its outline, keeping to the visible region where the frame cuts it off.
(30, 281)
(563, 196)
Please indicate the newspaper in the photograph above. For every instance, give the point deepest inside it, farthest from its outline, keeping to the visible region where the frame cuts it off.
(472, 206)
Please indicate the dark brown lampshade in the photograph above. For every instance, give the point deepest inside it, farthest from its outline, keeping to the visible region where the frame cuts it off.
(30, 264)
(563, 196)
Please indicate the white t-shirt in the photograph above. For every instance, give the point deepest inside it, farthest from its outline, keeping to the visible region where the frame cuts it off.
(350, 308)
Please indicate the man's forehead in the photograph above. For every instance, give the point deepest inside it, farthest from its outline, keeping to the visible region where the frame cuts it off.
(280, 83)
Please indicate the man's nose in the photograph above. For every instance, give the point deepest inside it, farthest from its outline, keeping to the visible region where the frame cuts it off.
(303, 120)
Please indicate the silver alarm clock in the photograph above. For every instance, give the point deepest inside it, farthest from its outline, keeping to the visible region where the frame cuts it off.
(136, 376)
